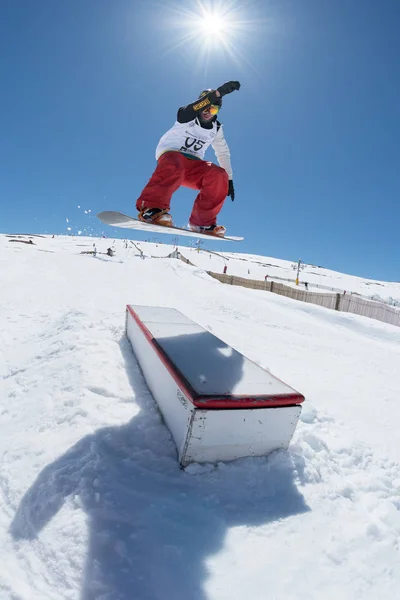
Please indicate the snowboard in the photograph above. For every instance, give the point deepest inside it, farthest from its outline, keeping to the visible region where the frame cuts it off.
(117, 219)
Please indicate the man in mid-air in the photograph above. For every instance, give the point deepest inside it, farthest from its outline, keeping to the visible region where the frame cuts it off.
(180, 153)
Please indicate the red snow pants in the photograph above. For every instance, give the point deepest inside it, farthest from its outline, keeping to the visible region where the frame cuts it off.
(175, 170)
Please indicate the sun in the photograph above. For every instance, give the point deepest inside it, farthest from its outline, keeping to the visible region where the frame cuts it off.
(212, 30)
(213, 26)
(210, 26)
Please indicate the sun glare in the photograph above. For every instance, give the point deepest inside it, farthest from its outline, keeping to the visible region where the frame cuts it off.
(211, 26)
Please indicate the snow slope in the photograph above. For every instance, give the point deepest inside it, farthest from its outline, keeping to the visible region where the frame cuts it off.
(93, 504)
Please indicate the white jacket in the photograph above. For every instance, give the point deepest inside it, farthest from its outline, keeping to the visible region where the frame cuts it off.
(191, 138)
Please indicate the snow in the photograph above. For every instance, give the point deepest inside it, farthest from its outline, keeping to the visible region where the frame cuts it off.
(93, 504)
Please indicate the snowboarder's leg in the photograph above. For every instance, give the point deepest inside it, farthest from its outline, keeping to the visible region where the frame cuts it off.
(212, 181)
(166, 179)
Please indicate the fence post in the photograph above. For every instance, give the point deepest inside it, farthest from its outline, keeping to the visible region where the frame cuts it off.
(271, 289)
(337, 303)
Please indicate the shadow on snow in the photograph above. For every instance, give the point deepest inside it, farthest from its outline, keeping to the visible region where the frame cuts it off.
(152, 526)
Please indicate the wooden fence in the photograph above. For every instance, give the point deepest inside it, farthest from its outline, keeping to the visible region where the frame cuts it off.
(342, 302)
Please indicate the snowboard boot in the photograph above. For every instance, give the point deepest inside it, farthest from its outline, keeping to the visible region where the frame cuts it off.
(217, 230)
(157, 216)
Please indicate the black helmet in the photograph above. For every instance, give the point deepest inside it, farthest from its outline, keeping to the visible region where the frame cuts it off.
(217, 101)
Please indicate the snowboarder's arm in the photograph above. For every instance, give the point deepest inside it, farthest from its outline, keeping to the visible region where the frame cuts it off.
(222, 152)
(190, 112)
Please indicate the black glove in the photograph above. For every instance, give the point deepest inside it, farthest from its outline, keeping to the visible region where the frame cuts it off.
(229, 87)
(231, 190)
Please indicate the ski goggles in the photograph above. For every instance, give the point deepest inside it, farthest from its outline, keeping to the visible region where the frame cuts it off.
(213, 109)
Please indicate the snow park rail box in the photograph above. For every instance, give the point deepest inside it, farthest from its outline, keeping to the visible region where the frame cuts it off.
(217, 404)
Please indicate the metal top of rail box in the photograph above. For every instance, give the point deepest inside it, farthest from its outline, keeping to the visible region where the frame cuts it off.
(212, 373)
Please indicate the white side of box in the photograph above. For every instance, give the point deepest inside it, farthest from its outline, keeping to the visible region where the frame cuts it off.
(175, 407)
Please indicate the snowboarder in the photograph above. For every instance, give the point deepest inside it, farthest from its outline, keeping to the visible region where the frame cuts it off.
(180, 153)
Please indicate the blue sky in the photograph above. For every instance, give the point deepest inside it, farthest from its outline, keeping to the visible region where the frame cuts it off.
(89, 86)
